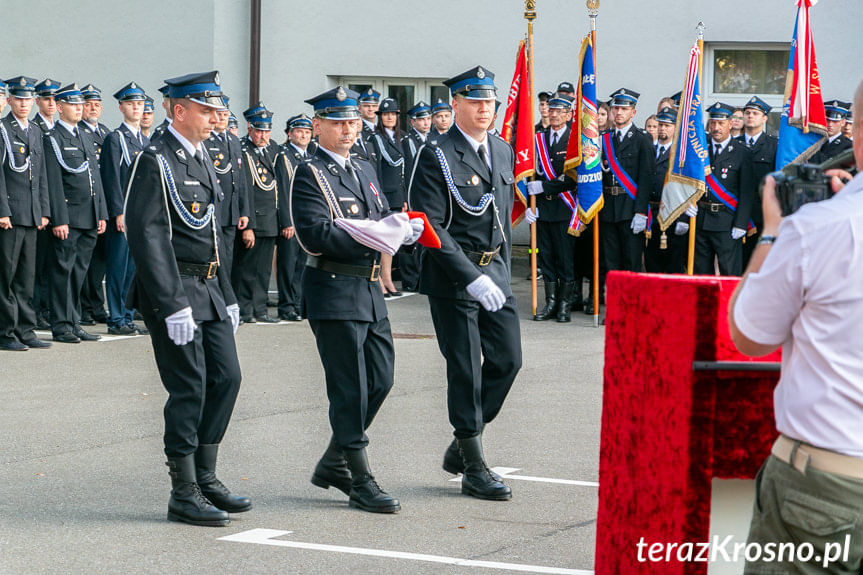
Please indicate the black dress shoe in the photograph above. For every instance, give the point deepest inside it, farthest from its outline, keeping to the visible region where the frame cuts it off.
(42, 323)
(37, 343)
(66, 337)
(267, 319)
(87, 319)
(409, 288)
(395, 293)
(14, 345)
(85, 336)
(121, 330)
(140, 330)
(247, 319)
(290, 315)
(138, 316)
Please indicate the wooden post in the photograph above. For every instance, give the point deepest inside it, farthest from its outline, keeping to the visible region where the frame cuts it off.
(530, 16)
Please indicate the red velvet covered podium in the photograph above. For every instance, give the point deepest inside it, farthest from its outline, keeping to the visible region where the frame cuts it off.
(674, 415)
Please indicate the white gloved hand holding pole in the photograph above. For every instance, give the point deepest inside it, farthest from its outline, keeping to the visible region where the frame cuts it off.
(484, 290)
(531, 215)
(534, 188)
(181, 326)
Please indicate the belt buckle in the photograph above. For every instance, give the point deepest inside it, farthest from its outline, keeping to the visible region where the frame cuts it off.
(376, 273)
(485, 258)
(714, 207)
(211, 271)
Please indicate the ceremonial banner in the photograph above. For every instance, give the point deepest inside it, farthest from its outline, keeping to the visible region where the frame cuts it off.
(518, 130)
(689, 160)
(583, 154)
(803, 122)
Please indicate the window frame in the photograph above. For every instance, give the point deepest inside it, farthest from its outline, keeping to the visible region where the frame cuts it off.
(731, 98)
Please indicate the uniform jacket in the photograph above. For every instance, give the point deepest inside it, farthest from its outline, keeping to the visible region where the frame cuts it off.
(119, 151)
(77, 200)
(26, 198)
(636, 156)
(328, 296)
(160, 130)
(226, 152)
(291, 159)
(447, 271)
(262, 166)
(831, 149)
(551, 206)
(98, 135)
(40, 121)
(391, 166)
(733, 169)
(158, 237)
(411, 144)
(363, 149)
(763, 162)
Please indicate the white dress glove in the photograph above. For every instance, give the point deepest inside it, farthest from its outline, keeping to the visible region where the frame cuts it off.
(737, 233)
(691, 211)
(181, 326)
(680, 228)
(534, 188)
(639, 223)
(531, 215)
(416, 227)
(487, 293)
(234, 314)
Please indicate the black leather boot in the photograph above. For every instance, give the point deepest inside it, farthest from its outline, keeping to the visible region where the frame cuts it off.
(453, 463)
(332, 470)
(565, 296)
(211, 487)
(477, 479)
(551, 299)
(365, 493)
(187, 503)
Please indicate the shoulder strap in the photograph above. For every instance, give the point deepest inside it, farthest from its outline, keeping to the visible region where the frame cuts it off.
(329, 195)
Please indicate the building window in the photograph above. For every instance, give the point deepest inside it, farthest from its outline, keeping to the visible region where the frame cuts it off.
(733, 73)
(406, 91)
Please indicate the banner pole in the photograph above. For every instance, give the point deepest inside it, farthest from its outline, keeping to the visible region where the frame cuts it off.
(593, 12)
(530, 16)
(690, 255)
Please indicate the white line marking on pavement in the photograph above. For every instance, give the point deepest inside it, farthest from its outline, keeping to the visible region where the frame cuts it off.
(266, 537)
(506, 473)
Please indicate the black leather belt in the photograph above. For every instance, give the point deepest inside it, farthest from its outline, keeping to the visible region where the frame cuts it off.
(370, 272)
(205, 271)
(710, 206)
(482, 258)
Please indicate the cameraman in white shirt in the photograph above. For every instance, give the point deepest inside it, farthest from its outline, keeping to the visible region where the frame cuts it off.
(803, 291)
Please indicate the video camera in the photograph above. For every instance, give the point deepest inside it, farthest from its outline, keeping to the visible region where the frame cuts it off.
(799, 184)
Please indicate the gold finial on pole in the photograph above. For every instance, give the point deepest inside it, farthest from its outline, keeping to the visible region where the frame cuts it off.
(530, 10)
(592, 8)
(700, 30)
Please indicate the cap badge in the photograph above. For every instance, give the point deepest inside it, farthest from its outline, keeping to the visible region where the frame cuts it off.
(480, 73)
(264, 115)
(216, 79)
(341, 95)
(23, 82)
(133, 86)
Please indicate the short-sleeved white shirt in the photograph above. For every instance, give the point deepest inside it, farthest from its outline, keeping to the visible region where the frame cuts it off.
(808, 297)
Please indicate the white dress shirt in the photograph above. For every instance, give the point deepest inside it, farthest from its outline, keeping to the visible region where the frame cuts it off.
(722, 145)
(555, 136)
(48, 121)
(73, 130)
(340, 160)
(808, 297)
(622, 132)
(187, 145)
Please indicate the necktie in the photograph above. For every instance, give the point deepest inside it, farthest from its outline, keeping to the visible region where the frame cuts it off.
(483, 155)
(140, 139)
(554, 140)
(717, 149)
(751, 142)
(350, 170)
(657, 150)
(199, 156)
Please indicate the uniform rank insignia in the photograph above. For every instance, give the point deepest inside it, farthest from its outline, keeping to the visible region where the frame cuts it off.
(21, 149)
(216, 163)
(196, 207)
(355, 209)
(221, 156)
(474, 179)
